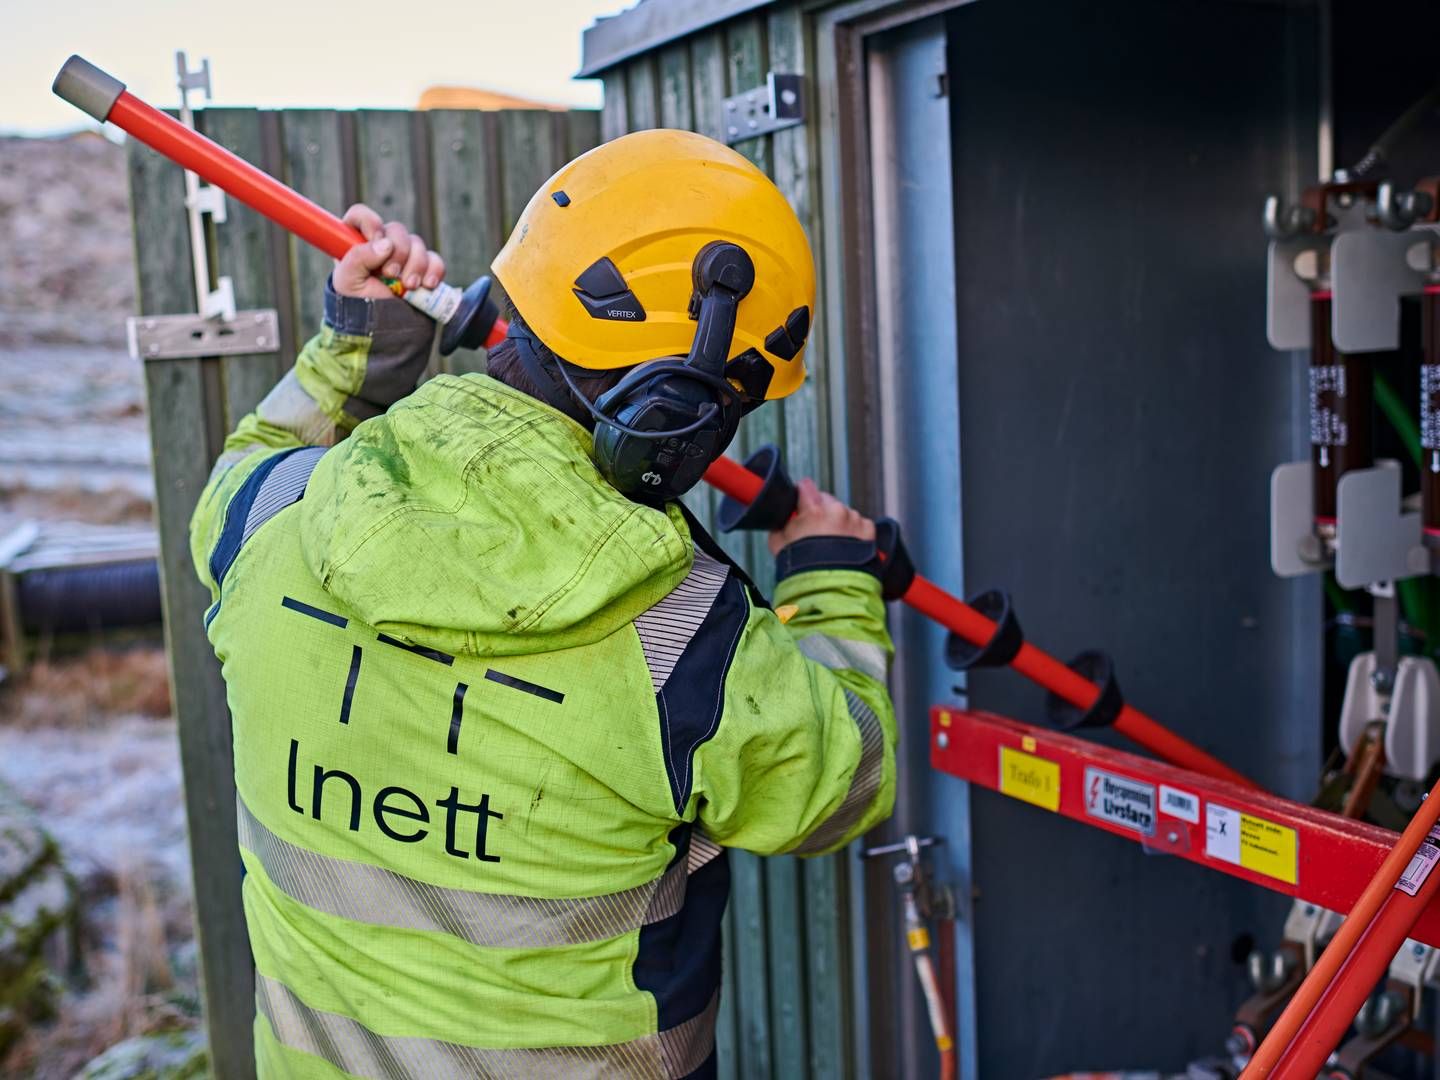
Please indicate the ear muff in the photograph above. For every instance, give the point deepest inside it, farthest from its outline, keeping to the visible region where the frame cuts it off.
(664, 423)
(656, 436)
(661, 427)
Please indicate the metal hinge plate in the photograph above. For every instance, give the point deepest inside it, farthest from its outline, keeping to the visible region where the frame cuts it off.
(777, 105)
(177, 337)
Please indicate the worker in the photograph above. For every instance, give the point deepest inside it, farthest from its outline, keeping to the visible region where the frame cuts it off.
(499, 704)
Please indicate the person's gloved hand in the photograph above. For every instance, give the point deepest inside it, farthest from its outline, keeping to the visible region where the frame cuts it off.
(390, 250)
(818, 513)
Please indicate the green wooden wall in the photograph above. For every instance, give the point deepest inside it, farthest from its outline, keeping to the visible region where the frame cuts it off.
(787, 1008)
(461, 179)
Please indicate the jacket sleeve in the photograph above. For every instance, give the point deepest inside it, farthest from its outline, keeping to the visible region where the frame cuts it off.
(368, 355)
(803, 757)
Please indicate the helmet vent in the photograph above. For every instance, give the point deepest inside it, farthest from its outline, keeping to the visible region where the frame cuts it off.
(604, 294)
(785, 341)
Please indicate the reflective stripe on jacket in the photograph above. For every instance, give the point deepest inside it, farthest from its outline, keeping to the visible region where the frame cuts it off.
(494, 725)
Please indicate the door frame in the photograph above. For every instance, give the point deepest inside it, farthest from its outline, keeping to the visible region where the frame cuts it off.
(888, 1011)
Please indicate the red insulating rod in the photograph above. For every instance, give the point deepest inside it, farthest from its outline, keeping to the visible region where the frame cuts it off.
(733, 479)
(105, 98)
(1321, 1009)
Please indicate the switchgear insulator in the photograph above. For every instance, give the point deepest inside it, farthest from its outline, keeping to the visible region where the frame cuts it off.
(1430, 415)
(1340, 401)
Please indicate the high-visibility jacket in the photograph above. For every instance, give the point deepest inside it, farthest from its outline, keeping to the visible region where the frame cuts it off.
(494, 725)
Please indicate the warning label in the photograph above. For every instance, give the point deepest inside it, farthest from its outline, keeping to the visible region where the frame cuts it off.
(1180, 804)
(1120, 800)
(1033, 779)
(1421, 865)
(1252, 842)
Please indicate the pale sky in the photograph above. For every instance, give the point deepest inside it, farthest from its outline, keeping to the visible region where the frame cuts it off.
(290, 53)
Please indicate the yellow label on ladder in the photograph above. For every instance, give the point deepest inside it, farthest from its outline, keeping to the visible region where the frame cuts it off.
(1033, 779)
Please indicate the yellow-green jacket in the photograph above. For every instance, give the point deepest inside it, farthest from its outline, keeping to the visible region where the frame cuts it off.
(494, 725)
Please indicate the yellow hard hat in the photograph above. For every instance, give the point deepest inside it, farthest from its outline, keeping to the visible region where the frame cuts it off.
(600, 262)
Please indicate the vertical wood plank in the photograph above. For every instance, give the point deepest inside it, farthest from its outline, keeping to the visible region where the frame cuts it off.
(283, 286)
(727, 1047)
(528, 158)
(186, 426)
(614, 114)
(793, 156)
(242, 253)
(641, 93)
(828, 980)
(785, 939)
(674, 68)
(582, 131)
(385, 154)
(707, 82)
(315, 166)
(421, 181)
(746, 66)
(750, 981)
(466, 170)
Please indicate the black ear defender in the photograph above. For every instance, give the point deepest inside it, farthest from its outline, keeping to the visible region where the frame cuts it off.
(666, 421)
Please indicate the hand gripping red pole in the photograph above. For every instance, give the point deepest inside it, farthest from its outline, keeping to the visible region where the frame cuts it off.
(935, 603)
(470, 319)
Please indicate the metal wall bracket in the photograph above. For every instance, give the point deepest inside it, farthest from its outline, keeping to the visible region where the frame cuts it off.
(1287, 297)
(1294, 547)
(208, 200)
(200, 199)
(1376, 539)
(1369, 273)
(178, 337)
(777, 105)
(1294, 264)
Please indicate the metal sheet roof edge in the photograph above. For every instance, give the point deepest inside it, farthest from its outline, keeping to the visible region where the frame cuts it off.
(650, 24)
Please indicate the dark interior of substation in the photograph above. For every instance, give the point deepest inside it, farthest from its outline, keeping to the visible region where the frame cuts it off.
(1121, 411)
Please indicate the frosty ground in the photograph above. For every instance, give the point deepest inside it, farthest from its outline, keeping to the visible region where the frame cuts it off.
(86, 736)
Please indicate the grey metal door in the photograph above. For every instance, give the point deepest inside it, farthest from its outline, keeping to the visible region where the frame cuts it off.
(1120, 413)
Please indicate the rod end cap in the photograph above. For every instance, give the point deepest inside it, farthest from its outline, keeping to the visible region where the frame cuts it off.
(89, 89)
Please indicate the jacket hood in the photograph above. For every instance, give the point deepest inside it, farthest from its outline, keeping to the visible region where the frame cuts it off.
(471, 519)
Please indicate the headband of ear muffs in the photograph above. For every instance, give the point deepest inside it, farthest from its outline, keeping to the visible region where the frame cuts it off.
(666, 421)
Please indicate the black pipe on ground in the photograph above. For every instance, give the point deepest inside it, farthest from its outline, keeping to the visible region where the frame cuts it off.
(78, 599)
